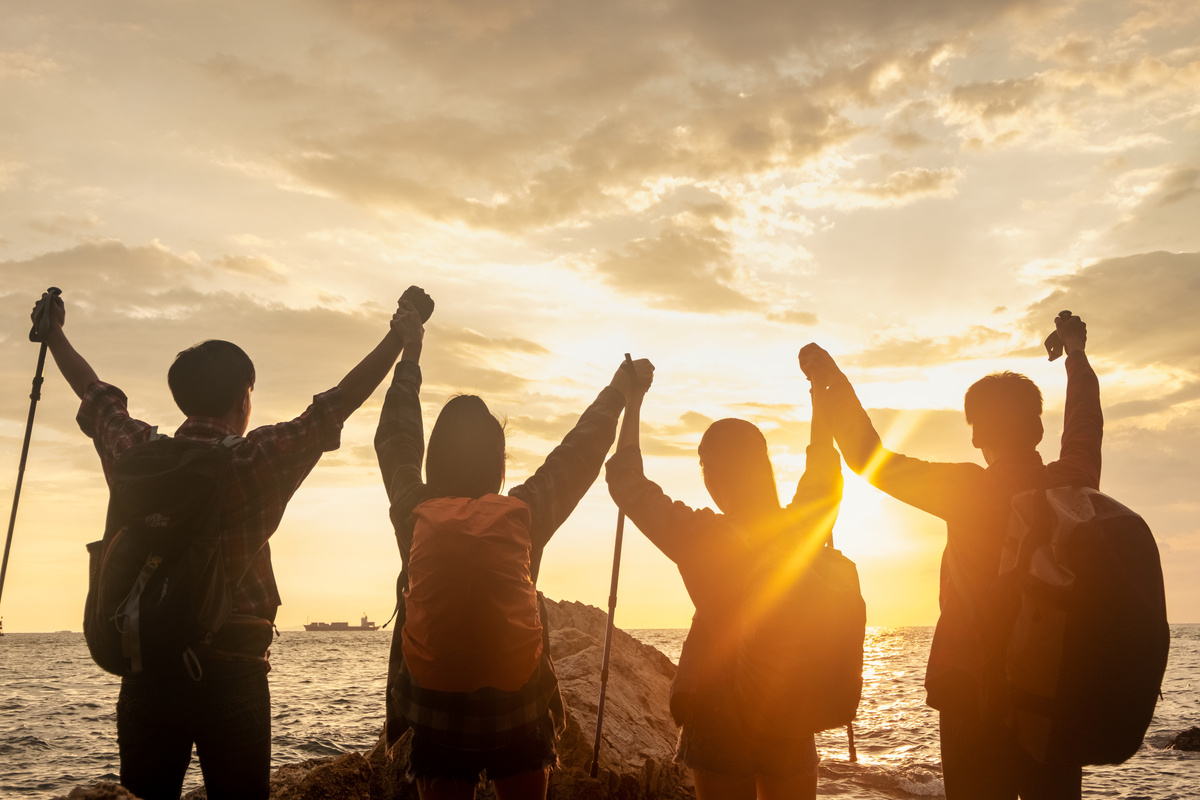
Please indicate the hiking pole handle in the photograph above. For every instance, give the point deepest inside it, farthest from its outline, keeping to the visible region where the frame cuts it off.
(41, 325)
(1054, 342)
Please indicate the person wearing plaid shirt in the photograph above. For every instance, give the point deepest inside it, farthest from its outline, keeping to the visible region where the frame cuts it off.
(508, 734)
(226, 714)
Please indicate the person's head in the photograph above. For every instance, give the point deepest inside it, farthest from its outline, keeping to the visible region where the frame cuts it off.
(737, 468)
(1004, 410)
(213, 379)
(466, 450)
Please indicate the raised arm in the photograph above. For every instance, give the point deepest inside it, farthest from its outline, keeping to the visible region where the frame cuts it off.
(935, 487)
(74, 367)
(819, 491)
(399, 440)
(366, 376)
(557, 486)
(1083, 420)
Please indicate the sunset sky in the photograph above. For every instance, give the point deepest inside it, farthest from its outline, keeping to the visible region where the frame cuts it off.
(919, 187)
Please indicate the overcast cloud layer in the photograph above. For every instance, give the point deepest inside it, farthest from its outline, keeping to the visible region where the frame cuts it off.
(920, 187)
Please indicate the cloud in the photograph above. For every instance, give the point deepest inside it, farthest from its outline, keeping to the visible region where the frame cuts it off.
(27, 66)
(131, 306)
(688, 269)
(919, 352)
(807, 318)
(1140, 309)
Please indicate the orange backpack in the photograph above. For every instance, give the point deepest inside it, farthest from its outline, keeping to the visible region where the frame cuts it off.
(471, 612)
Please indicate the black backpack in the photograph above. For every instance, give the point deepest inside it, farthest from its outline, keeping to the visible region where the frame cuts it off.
(1082, 633)
(800, 657)
(157, 590)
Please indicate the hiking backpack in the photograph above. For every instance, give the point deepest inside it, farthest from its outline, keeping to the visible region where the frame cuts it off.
(471, 610)
(800, 656)
(157, 590)
(1083, 636)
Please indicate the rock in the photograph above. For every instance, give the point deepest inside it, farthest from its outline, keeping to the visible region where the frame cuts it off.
(637, 750)
(101, 791)
(1185, 740)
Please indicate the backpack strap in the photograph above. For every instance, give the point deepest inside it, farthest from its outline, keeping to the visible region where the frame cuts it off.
(130, 612)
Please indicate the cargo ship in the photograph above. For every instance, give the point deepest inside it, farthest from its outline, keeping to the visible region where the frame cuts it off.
(365, 625)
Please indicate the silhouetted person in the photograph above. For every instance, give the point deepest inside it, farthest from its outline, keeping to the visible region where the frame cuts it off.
(470, 667)
(719, 556)
(227, 713)
(980, 760)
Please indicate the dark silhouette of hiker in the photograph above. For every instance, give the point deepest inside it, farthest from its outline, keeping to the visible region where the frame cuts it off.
(719, 557)
(227, 713)
(980, 760)
(470, 667)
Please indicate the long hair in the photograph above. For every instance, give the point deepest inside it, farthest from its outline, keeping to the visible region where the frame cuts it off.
(207, 380)
(466, 450)
(737, 467)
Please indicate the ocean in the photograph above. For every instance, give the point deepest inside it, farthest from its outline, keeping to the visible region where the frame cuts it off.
(58, 722)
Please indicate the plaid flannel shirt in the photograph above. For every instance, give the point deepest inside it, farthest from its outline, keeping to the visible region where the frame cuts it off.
(481, 719)
(266, 469)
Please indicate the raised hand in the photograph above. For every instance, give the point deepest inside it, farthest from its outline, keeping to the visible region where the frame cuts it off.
(817, 365)
(634, 382)
(1072, 331)
(406, 323)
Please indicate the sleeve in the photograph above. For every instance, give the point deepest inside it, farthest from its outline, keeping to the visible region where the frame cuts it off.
(279, 457)
(819, 491)
(571, 468)
(1079, 459)
(104, 417)
(938, 488)
(400, 447)
(670, 525)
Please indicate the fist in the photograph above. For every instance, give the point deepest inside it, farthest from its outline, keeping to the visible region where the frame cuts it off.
(1072, 331)
(634, 381)
(406, 323)
(816, 364)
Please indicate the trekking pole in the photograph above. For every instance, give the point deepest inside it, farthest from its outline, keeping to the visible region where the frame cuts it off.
(612, 608)
(36, 334)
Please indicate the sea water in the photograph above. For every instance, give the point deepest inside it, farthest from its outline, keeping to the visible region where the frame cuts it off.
(58, 721)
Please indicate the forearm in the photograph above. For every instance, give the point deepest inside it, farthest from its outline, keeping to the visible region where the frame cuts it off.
(366, 376)
(630, 435)
(399, 440)
(74, 367)
(850, 425)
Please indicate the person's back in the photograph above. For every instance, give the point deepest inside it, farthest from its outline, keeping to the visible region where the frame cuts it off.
(979, 759)
(469, 669)
(223, 706)
(723, 560)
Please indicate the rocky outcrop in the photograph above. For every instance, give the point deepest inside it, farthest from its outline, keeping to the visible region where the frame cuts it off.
(637, 748)
(1185, 740)
(101, 791)
(636, 752)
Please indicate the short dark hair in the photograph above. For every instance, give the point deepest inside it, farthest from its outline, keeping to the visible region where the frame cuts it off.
(733, 454)
(209, 379)
(466, 450)
(1005, 408)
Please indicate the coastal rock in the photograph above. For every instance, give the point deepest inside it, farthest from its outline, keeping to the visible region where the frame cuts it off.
(346, 777)
(637, 748)
(101, 791)
(1185, 740)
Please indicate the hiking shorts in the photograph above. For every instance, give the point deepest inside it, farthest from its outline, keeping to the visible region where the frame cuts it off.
(525, 751)
(714, 739)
